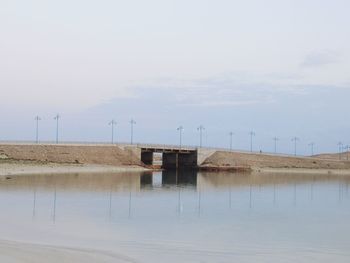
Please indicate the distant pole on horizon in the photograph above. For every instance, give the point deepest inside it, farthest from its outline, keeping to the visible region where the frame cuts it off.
(347, 151)
(180, 129)
(340, 145)
(132, 123)
(112, 123)
(312, 144)
(57, 117)
(275, 139)
(37, 119)
(251, 140)
(200, 129)
(295, 140)
(231, 135)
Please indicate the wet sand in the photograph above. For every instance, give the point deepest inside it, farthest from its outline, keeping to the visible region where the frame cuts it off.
(16, 252)
(315, 171)
(26, 168)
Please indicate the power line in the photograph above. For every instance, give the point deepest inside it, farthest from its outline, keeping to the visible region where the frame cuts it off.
(200, 129)
(231, 135)
(57, 117)
(340, 145)
(180, 129)
(295, 140)
(37, 119)
(112, 123)
(346, 148)
(251, 140)
(312, 144)
(132, 123)
(275, 143)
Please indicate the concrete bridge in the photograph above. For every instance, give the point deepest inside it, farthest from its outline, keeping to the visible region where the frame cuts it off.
(172, 157)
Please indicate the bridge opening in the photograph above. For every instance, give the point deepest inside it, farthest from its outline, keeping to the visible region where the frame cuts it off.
(171, 159)
(147, 157)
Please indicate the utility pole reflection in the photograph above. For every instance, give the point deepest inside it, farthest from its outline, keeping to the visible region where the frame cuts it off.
(54, 205)
(129, 216)
(34, 202)
(179, 208)
(199, 201)
(229, 196)
(340, 190)
(312, 188)
(250, 195)
(110, 203)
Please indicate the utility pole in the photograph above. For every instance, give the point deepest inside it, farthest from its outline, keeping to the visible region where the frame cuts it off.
(231, 135)
(295, 140)
(346, 148)
(132, 122)
(251, 140)
(275, 139)
(57, 117)
(37, 119)
(200, 129)
(340, 145)
(112, 123)
(180, 129)
(312, 144)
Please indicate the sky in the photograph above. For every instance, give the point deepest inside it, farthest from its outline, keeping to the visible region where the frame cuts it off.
(275, 67)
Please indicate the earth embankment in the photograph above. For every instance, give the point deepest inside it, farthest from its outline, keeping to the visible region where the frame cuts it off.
(71, 154)
(256, 161)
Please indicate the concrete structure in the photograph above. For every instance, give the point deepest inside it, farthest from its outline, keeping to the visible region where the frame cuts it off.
(173, 158)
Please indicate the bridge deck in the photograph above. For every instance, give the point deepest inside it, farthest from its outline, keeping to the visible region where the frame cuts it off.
(167, 150)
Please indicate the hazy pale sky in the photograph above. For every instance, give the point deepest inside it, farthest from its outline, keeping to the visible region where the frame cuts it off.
(278, 67)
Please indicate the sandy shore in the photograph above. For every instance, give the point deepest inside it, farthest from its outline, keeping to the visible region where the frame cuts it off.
(16, 252)
(25, 168)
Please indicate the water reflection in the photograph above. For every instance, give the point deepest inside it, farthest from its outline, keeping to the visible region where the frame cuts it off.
(182, 210)
(243, 189)
(131, 182)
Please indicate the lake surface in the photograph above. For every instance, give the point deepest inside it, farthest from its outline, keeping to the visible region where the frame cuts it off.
(183, 217)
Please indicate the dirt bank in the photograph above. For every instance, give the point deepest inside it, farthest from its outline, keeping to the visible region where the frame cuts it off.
(344, 156)
(264, 161)
(69, 154)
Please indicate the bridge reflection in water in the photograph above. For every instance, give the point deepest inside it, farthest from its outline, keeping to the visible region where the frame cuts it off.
(168, 178)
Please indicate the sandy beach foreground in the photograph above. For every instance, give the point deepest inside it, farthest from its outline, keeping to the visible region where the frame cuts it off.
(16, 252)
(27, 168)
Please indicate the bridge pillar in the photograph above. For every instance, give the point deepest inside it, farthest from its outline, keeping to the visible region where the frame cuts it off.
(187, 160)
(147, 157)
(170, 160)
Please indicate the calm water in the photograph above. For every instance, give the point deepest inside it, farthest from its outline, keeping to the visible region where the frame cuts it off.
(185, 217)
